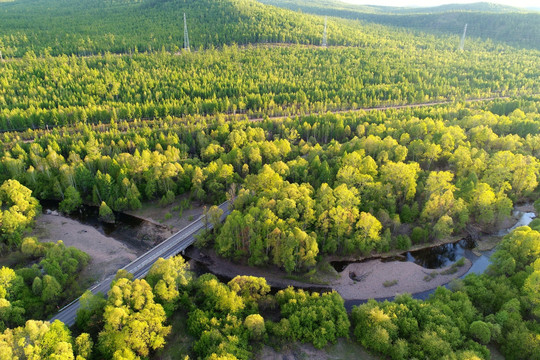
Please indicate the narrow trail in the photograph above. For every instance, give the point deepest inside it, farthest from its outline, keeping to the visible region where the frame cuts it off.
(386, 107)
(103, 127)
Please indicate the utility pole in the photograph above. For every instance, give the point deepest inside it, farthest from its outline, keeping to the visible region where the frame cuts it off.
(186, 37)
(324, 38)
(462, 44)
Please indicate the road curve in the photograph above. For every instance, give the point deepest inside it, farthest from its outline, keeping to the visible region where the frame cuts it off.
(140, 266)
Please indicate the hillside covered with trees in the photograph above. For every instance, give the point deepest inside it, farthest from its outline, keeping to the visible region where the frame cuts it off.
(487, 21)
(97, 26)
(384, 140)
(258, 81)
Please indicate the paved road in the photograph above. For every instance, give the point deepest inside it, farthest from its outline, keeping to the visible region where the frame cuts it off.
(140, 266)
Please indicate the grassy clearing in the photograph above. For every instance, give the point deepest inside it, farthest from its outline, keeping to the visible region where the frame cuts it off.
(495, 354)
(179, 342)
(343, 350)
(349, 349)
(176, 214)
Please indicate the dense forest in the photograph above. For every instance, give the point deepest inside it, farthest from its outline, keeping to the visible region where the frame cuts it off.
(270, 81)
(97, 26)
(348, 183)
(99, 106)
(513, 26)
(263, 80)
(233, 320)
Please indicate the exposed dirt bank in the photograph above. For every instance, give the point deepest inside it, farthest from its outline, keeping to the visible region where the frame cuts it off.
(222, 267)
(343, 349)
(107, 254)
(525, 207)
(177, 219)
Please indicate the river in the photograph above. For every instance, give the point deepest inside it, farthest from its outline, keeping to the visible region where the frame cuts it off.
(127, 227)
(444, 255)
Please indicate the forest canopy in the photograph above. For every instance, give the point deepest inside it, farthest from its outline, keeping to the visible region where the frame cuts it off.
(382, 141)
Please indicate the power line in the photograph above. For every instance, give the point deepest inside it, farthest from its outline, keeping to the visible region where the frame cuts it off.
(324, 39)
(462, 44)
(186, 37)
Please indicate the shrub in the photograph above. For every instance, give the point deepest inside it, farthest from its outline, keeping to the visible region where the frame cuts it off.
(105, 213)
(255, 325)
(389, 283)
(419, 235)
(480, 331)
(167, 199)
(403, 242)
(72, 200)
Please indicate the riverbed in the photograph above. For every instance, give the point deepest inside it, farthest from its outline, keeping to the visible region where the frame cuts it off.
(417, 272)
(110, 246)
(408, 269)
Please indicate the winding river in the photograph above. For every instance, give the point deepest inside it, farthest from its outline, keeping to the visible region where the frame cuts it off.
(126, 227)
(444, 255)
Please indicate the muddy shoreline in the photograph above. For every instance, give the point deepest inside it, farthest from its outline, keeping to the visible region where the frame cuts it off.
(110, 246)
(377, 275)
(373, 277)
(227, 270)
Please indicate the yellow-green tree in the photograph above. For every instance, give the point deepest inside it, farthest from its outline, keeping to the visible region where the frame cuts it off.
(17, 211)
(133, 322)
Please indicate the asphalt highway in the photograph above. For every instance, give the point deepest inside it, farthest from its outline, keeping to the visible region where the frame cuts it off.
(140, 266)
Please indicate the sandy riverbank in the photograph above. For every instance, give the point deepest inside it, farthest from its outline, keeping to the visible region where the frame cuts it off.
(369, 276)
(366, 280)
(107, 254)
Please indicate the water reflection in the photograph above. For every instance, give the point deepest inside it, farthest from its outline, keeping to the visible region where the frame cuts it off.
(126, 227)
(442, 256)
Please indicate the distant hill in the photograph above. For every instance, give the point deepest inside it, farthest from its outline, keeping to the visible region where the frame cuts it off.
(93, 26)
(378, 9)
(516, 27)
(479, 6)
(85, 27)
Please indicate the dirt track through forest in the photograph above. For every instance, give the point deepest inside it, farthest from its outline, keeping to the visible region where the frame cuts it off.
(104, 127)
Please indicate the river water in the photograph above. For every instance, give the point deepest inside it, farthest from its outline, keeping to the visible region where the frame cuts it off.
(445, 255)
(127, 227)
(480, 263)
